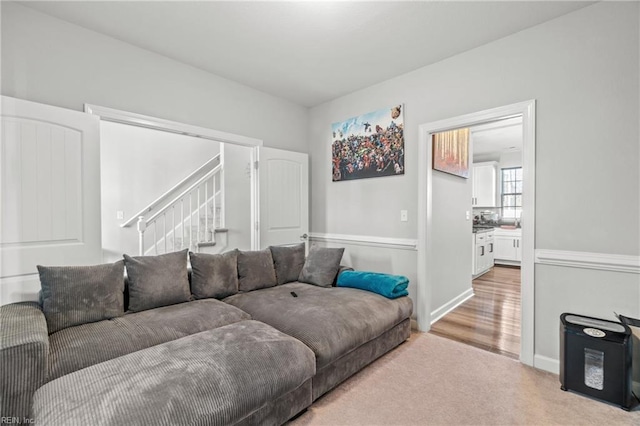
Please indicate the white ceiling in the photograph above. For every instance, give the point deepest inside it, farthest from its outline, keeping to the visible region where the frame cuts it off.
(497, 137)
(308, 52)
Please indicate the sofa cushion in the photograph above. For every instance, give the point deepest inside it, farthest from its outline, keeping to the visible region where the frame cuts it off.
(321, 266)
(331, 321)
(255, 270)
(214, 275)
(73, 295)
(78, 347)
(288, 261)
(217, 377)
(157, 280)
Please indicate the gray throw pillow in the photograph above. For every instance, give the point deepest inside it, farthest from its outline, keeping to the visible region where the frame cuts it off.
(255, 270)
(156, 281)
(214, 275)
(321, 267)
(288, 261)
(74, 295)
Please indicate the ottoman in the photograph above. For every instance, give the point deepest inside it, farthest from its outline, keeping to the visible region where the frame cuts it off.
(242, 373)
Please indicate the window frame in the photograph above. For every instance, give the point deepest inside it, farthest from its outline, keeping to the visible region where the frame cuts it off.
(516, 208)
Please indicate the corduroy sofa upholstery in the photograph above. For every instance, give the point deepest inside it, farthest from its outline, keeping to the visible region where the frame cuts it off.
(332, 321)
(319, 336)
(227, 375)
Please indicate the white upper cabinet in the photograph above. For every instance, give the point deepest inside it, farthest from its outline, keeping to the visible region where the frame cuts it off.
(484, 182)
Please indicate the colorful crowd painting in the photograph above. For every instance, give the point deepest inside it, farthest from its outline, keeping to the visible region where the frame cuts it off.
(370, 145)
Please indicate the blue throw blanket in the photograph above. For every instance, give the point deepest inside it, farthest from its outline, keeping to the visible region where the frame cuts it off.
(390, 286)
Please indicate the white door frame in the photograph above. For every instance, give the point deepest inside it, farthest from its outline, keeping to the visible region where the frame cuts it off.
(134, 119)
(425, 213)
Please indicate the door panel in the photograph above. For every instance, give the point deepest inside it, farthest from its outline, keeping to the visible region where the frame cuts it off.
(284, 196)
(50, 193)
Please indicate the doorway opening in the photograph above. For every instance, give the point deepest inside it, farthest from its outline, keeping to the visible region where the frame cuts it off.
(432, 241)
(490, 318)
(166, 185)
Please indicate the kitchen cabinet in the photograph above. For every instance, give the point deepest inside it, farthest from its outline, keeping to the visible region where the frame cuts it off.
(483, 256)
(484, 184)
(508, 246)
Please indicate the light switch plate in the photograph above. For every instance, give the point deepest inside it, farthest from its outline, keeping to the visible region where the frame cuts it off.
(403, 216)
(468, 215)
(119, 214)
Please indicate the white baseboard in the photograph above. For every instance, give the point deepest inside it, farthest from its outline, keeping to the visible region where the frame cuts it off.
(451, 305)
(547, 364)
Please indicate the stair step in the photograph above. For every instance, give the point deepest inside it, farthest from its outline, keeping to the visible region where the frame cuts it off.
(206, 244)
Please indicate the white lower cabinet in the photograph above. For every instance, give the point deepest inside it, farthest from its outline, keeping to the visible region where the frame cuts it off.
(483, 252)
(508, 248)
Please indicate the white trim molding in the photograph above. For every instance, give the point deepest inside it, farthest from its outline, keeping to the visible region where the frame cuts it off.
(451, 305)
(366, 240)
(132, 118)
(547, 364)
(586, 260)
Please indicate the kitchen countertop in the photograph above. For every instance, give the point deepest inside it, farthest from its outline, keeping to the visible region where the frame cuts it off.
(488, 228)
(480, 229)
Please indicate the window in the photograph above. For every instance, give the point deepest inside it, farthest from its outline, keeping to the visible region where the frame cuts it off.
(512, 192)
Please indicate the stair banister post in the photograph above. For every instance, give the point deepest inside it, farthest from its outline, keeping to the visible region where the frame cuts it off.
(142, 226)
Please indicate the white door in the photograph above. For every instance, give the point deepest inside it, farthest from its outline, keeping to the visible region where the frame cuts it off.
(50, 193)
(284, 197)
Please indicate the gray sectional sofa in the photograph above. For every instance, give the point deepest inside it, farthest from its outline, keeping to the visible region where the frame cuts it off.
(248, 337)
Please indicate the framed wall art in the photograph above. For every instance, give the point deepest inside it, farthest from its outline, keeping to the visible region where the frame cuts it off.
(369, 145)
(451, 152)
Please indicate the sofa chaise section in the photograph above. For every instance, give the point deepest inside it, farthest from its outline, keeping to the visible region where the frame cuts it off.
(340, 325)
(82, 346)
(242, 373)
(30, 357)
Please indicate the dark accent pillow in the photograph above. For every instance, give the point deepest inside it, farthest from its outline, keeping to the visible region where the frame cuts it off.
(288, 262)
(214, 275)
(255, 270)
(156, 281)
(74, 295)
(321, 267)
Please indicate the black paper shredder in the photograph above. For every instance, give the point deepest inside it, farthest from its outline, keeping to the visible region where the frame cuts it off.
(595, 358)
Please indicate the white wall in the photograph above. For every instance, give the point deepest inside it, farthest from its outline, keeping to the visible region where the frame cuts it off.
(582, 69)
(365, 258)
(452, 254)
(510, 159)
(138, 165)
(583, 291)
(48, 60)
(237, 180)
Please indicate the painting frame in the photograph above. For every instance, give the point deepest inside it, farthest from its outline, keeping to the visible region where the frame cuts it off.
(450, 152)
(369, 145)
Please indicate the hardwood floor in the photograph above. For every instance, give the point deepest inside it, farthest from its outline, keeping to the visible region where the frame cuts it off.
(490, 320)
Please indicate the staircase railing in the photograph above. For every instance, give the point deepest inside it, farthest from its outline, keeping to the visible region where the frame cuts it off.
(186, 220)
(158, 201)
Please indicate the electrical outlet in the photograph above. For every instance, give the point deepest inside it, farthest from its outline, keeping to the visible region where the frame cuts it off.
(403, 216)
(119, 214)
(468, 215)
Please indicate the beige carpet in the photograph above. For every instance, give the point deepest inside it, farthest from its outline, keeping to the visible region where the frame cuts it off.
(430, 380)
